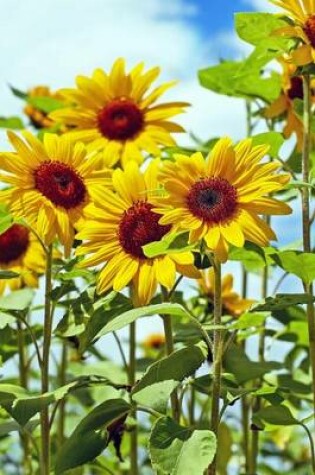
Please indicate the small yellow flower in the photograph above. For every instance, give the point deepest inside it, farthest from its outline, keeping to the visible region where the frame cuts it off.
(116, 113)
(219, 198)
(20, 252)
(283, 106)
(154, 341)
(39, 118)
(232, 303)
(117, 228)
(51, 183)
(302, 14)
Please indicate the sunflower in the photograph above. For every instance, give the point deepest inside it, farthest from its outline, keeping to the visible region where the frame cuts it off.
(302, 14)
(283, 106)
(117, 228)
(20, 252)
(219, 198)
(154, 341)
(51, 183)
(232, 303)
(39, 119)
(115, 113)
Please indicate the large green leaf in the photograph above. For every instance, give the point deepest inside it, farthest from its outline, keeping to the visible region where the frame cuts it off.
(124, 319)
(240, 79)
(275, 415)
(45, 104)
(160, 379)
(178, 450)
(302, 264)
(281, 301)
(254, 28)
(90, 437)
(22, 406)
(238, 363)
(176, 242)
(17, 300)
(274, 139)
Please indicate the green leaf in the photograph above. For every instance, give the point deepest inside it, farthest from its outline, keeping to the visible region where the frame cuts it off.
(8, 274)
(256, 27)
(17, 300)
(178, 450)
(6, 319)
(281, 301)
(274, 139)
(161, 378)
(301, 264)
(238, 363)
(252, 256)
(18, 93)
(240, 79)
(90, 437)
(249, 320)
(22, 406)
(121, 321)
(177, 242)
(275, 415)
(11, 123)
(6, 219)
(45, 104)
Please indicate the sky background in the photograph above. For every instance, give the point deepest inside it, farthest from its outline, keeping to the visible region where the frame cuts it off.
(51, 41)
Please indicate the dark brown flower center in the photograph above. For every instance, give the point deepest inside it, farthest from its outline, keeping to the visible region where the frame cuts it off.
(14, 243)
(60, 183)
(120, 119)
(296, 88)
(139, 226)
(309, 29)
(214, 200)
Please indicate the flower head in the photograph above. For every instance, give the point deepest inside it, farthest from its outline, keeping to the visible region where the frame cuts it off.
(154, 341)
(20, 252)
(302, 15)
(51, 183)
(115, 113)
(219, 198)
(39, 119)
(232, 303)
(117, 228)
(283, 106)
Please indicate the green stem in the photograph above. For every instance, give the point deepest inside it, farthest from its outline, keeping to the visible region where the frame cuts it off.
(62, 377)
(169, 349)
(217, 358)
(306, 220)
(131, 381)
(45, 426)
(261, 356)
(23, 376)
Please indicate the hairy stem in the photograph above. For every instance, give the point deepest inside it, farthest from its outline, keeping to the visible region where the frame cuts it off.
(217, 358)
(306, 220)
(45, 426)
(62, 406)
(131, 381)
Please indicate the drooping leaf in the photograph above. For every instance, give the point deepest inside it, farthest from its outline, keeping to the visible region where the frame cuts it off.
(8, 274)
(160, 379)
(275, 415)
(18, 92)
(256, 27)
(90, 437)
(243, 369)
(178, 450)
(177, 242)
(281, 301)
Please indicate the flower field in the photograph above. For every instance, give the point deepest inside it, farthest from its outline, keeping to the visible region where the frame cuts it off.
(156, 289)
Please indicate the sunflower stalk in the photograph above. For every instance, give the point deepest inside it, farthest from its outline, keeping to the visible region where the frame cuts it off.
(44, 419)
(131, 381)
(217, 359)
(306, 221)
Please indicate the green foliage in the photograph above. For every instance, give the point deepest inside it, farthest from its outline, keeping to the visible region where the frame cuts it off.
(8, 274)
(281, 301)
(90, 437)
(254, 28)
(301, 264)
(11, 123)
(45, 104)
(274, 139)
(17, 300)
(172, 243)
(162, 377)
(173, 448)
(275, 415)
